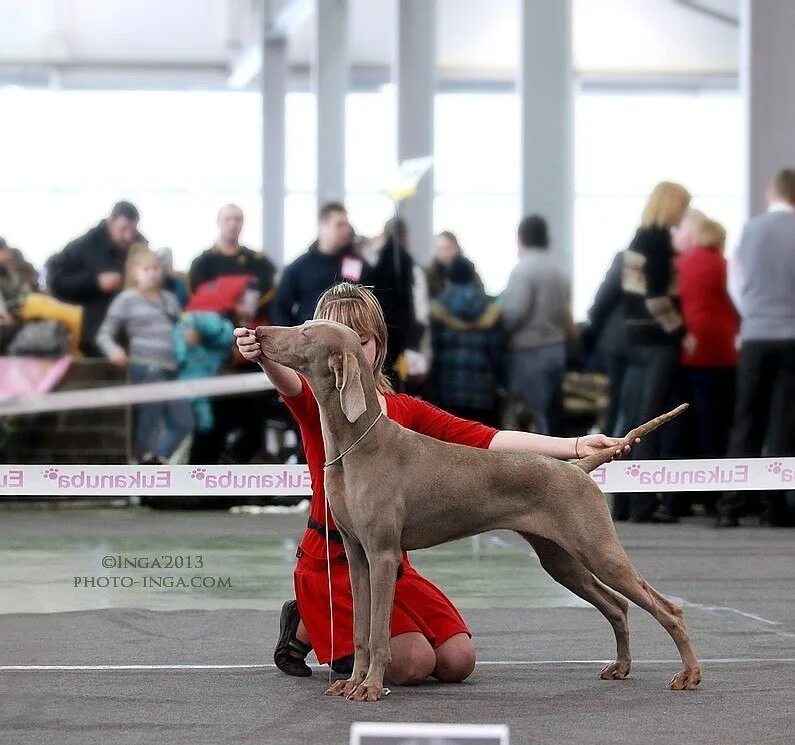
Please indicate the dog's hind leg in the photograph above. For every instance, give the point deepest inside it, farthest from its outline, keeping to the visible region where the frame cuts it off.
(572, 574)
(603, 555)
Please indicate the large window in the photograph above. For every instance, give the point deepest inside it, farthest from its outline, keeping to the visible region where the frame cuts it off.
(477, 177)
(625, 143)
(66, 156)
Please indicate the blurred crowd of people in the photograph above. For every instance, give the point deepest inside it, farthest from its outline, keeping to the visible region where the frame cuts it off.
(672, 321)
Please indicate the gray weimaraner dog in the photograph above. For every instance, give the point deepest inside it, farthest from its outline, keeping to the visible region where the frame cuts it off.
(390, 489)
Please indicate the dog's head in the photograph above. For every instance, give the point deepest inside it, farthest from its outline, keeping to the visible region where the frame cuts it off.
(328, 354)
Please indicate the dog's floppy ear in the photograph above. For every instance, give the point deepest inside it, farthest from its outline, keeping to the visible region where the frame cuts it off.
(348, 380)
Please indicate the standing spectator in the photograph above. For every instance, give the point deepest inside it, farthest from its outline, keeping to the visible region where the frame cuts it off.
(655, 331)
(229, 257)
(148, 314)
(206, 325)
(712, 326)
(683, 236)
(392, 277)
(330, 259)
(468, 347)
(238, 417)
(447, 250)
(89, 270)
(173, 281)
(606, 339)
(537, 316)
(762, 280)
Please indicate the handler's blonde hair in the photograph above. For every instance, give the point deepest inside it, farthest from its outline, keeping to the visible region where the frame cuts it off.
(710, 234)
(356, 307)
(666, 206)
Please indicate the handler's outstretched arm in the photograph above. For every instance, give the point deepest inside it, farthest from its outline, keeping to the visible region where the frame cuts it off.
(559, 447)
(285, 380)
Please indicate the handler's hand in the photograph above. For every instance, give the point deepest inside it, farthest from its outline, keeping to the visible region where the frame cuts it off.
(590, 444)
(248, 345)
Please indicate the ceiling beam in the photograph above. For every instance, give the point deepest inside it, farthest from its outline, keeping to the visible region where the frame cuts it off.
(710, 12)
(290, 17)
(281, 26)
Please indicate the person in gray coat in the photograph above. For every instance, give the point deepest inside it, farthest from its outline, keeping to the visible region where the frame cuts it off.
(762, 285)
(537, 317)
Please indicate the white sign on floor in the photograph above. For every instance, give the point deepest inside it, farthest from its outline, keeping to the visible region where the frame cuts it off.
(404, 733)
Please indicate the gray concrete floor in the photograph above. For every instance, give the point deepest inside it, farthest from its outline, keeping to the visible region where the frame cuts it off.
(539, 648)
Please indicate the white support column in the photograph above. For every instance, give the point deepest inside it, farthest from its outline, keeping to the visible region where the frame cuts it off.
(330, 75)
(546, 94)
(415, 75)
(274, 89)
(767, 85)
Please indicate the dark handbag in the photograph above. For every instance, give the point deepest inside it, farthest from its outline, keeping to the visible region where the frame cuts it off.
(40, 339)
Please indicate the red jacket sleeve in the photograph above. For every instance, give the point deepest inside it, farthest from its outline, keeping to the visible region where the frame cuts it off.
(303, 405)
(430, 420)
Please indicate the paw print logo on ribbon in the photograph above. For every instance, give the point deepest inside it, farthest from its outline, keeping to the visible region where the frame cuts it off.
(199, 474)
(51, 473)
(633, 470)
(775, 467)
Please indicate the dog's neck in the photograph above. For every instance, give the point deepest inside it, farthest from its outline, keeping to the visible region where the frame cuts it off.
(339, 434)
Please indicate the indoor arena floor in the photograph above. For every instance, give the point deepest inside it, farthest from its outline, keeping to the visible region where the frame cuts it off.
(135, 665)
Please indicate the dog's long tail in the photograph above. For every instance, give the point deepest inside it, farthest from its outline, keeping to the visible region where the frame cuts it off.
(592, 462)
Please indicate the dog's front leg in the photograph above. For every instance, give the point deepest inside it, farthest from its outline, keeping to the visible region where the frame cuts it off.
(384, 564)
(360, 589)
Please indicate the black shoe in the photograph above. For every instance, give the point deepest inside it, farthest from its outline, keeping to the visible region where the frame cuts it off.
(290, 652)
(343, 666)
(727, 521)
(660, 516)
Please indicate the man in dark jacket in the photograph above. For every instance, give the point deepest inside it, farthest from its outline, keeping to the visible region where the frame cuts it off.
(330, 259)
(229, 257)
(90, 270)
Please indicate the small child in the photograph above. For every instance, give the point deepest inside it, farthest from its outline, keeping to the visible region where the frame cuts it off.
(148, 315)
(203, 337)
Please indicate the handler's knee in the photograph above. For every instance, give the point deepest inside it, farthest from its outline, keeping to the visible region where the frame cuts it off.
(455, 659)
(412, 661)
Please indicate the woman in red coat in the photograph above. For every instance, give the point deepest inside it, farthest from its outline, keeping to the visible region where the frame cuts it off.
(710, 351)
(429, 635)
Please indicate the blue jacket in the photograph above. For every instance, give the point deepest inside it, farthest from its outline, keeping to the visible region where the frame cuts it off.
(469, 350)
(202, 360)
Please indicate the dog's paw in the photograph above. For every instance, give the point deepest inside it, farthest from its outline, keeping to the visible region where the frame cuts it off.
(368, 692)
(615, 671)
(687, 680)
(336, 688)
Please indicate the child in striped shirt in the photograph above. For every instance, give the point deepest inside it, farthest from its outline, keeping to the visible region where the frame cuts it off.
(147, 314)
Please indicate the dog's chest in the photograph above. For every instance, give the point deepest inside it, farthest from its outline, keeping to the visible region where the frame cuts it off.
(334, 484)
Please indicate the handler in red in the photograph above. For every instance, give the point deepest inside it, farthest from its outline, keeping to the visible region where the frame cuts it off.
(429, 635)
